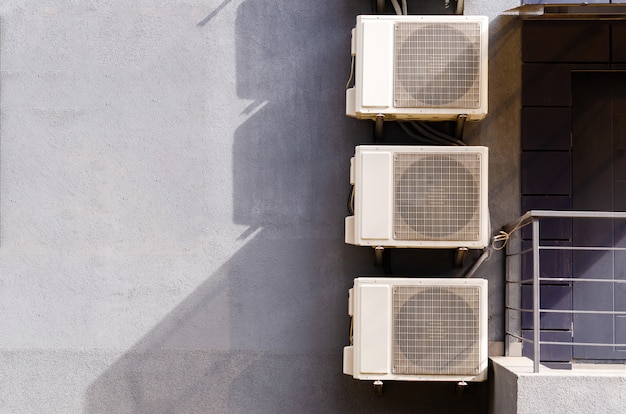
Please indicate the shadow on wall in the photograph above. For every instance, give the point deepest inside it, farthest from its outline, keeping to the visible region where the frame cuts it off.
(265, 332)
(500, 132)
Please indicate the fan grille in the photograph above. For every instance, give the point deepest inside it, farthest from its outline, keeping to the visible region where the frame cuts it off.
(437, 65)
(436, 330)
(437, 196)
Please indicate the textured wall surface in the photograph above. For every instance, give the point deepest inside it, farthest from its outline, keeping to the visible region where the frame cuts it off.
(580, 391)
(173, 181)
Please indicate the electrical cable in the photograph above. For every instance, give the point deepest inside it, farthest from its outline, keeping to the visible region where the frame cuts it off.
(500, 240)
(460, 126)
(379, 127)
(396, 7)
(422, 125)
(419, 138)
(351, 201)
(423, 131)
(502, 237)
(432, 137)
(378, 6)
(404, 8)
(387, 262)
(351, 73)
(481, 259)
(419, 126)
(351, 330)
(460, 7)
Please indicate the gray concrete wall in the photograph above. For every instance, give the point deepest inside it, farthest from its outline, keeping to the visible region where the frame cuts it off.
(173, 181)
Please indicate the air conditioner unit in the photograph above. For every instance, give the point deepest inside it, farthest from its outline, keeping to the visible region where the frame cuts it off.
(419, 67)
(417, 330)
(419, 196)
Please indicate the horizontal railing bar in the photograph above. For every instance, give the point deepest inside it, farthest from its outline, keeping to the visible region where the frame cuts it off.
(566, 279)
(574, 214)
(583, 248)
(565, 343)
(527, 217)
(570, 279)
(580, 343)
(573, 312)
(582, 312)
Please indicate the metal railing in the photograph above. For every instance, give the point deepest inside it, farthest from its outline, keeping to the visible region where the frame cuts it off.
(514, 279)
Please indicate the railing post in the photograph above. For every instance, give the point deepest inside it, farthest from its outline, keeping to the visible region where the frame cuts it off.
(507, 299)
(536, 297)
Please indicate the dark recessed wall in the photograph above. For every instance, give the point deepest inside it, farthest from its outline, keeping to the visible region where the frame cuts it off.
(551, 52)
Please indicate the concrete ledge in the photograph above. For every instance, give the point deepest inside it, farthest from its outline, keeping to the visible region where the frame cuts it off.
(517, 390)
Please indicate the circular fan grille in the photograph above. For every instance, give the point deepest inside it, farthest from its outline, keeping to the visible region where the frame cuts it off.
(436, 332)
(438, 197)
(437, 64)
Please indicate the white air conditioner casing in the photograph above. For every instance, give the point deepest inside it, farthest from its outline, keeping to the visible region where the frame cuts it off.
(419, 196)
(419, 67)
(418, 330)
